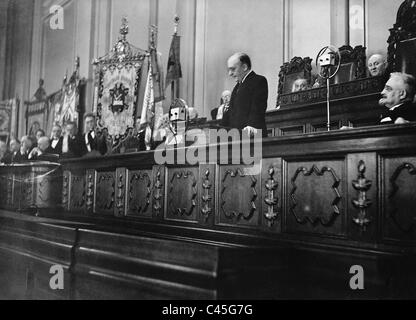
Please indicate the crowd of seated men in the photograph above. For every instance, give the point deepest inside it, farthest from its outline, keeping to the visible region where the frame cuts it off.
(398, 98)
(67, 144)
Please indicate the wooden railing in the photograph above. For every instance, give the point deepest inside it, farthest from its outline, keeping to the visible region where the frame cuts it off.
(319, 204)
(342, 186)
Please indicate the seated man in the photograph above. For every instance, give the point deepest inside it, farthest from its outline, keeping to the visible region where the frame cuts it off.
(397, 96)
(43, 151)
(300, 85)
(217, 113)
(377, 65)
(56, 139)
(14, 148)
(71, 142)
(25, 148)
(92, 144)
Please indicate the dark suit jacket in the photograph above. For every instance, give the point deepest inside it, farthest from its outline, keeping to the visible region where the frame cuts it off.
(7, 158)
(18, 157)
(248, 104)
(74, 147)
(58, 147)
(407, 111)
(214, 113)
(96, 144)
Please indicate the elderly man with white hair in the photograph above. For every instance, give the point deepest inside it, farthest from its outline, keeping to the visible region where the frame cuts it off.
(397, 96)
(42, 148)
(218, 113)
(25, 148)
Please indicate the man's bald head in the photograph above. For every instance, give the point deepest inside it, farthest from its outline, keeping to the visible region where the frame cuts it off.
(43, 143)
(377, 65)
(239, 65)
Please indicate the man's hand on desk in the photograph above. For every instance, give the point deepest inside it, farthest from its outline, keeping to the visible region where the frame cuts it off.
(250, 130)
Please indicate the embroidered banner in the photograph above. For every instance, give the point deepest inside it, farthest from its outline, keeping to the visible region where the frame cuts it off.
(117, 107)
(8, 118)
(36, 116)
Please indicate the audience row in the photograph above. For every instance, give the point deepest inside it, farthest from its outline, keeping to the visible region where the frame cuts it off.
(57, 145)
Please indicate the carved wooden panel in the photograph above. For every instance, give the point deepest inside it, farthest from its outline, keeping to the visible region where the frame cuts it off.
(25, 193)
(182, 194)
(207, 190)
(77, 191)
(7, 189)
(66, 189)
(105, 196)
(239, 200)
(272, 186)
(46, 186)
(120, 197)
(91, 176)
(363, 213)
(158, 192)
(399, 198)
(139, 193)
(315, 197)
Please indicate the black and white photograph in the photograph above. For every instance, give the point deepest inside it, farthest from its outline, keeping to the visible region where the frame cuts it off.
(207, 154)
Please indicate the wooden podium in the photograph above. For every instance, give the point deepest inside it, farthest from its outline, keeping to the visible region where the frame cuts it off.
(30, 186)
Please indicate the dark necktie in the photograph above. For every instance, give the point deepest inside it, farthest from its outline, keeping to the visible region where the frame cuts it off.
(236, 88)
(90, 139)
(233, 94)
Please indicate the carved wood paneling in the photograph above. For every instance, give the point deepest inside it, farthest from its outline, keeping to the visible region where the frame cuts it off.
(158, 192)
(362, 202)
(315, 201)
(66, 189)
(139, 193)
(120, 201)
(399, 198)
(6, 189)
(363, 214)
(44, 195)
(26, 189)
(238, 196)
(182, 197)
(77, 191)
(207, 175)
(90, 190)
(105, 192)
(272, 194)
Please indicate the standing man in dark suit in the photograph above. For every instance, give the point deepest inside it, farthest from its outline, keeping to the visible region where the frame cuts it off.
(92, 144)
(248, 102)
(71, 142)
(56, 140)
